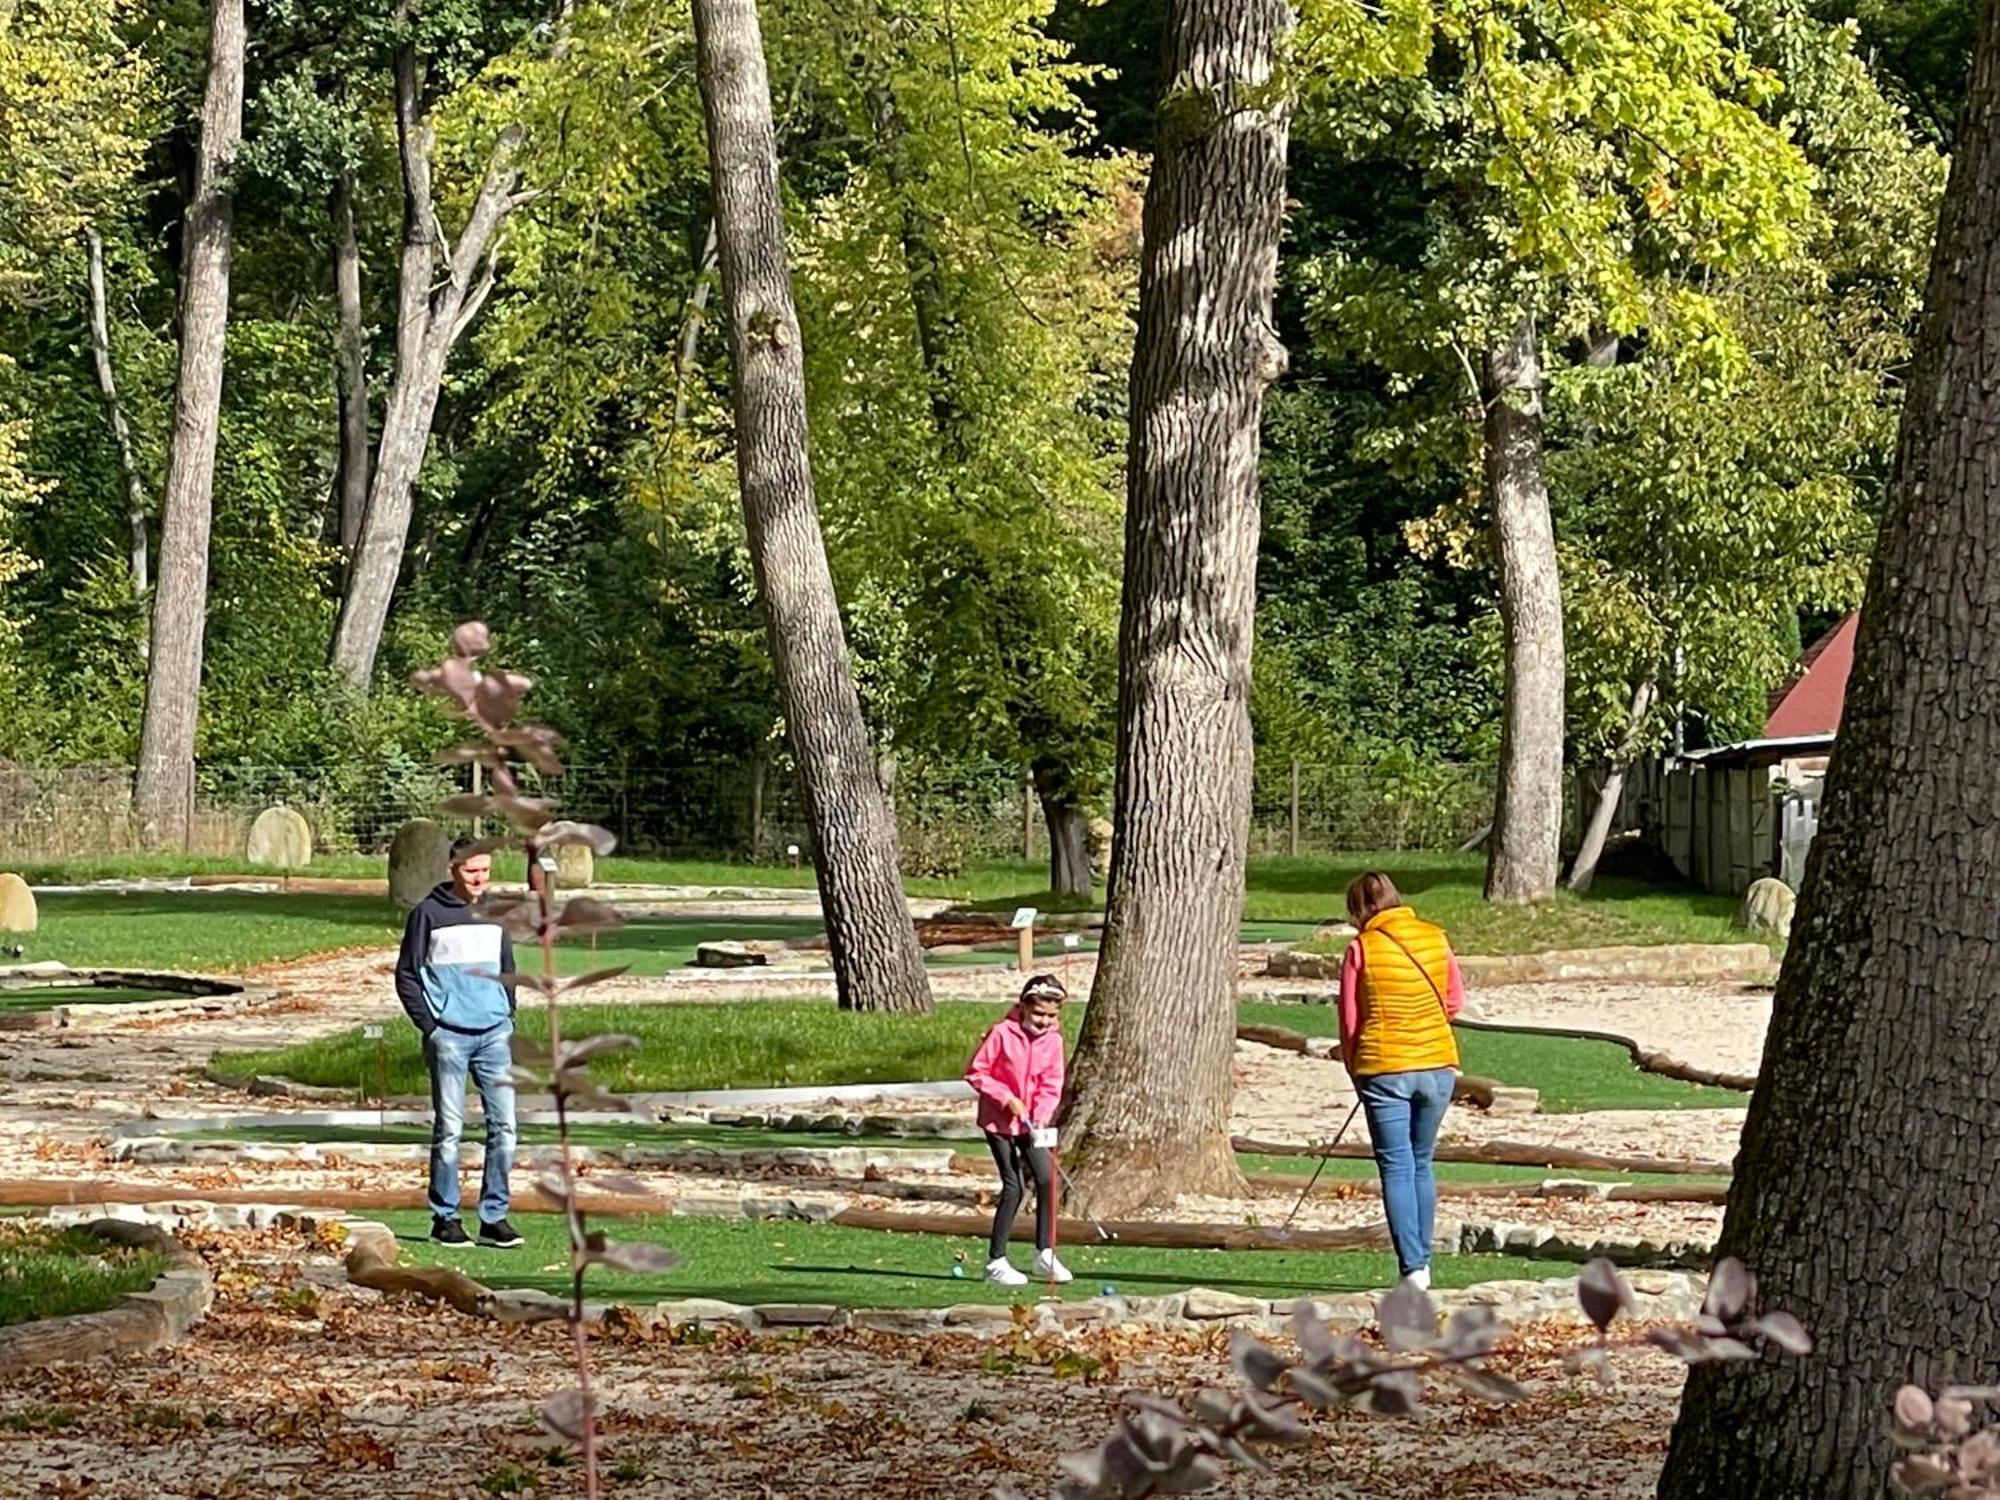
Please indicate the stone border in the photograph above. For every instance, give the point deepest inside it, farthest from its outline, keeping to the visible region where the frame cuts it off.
(1664, 963)
(161, 1315)
(1659, 1294)
(181, 993)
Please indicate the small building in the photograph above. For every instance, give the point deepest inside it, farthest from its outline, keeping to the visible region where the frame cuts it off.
(1732, 814)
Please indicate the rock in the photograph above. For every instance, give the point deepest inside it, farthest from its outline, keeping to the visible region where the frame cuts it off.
(798, 1314)
(703, 1311)
(576, 866)
(979, 1316)
(1767, 907)
(281, 837)
(419, 858)
(1508, 1100)
(1203, 1303)
(1342, 1310)
(900, 1319)
(727, 955)
(17, 904)
(1100, 848)
(1328, 932)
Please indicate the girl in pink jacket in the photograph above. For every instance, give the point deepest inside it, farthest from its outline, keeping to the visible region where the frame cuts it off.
(1018, 1074)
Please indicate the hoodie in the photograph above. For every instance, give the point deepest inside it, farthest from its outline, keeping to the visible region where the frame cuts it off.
(1011, 1063)
(448, 971)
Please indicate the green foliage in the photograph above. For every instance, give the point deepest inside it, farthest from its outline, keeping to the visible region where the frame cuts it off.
(55, 1273)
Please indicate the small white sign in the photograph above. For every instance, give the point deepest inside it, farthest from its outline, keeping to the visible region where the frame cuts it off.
(793, 850)
(1045, 1138)
(547, 862)
(1070, 940)
(1024, 917)
(372, 1031)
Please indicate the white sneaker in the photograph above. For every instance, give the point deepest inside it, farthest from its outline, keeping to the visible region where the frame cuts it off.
(1420, 1278)
(1002, 1273)
(1048, 1268)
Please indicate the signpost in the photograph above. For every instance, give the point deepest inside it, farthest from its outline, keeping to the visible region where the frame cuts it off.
(1024, 924)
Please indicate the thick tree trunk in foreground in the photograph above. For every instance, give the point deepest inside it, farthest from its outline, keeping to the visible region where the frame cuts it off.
(165, 780)
(1864, 1196)
(1148, 1115)
(1591, 850)
(351, 353)
(434, 311)
(138, 511)
(1524, 855)
(877, 963)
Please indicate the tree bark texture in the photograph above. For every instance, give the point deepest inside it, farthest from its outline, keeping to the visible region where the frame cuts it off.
(1147, 1117)
(433, 312)
(164, 784)
(1524, 855)
(351, 363)
(878, 965)
(1591, 850)
(138, 509)
(1864, 1196)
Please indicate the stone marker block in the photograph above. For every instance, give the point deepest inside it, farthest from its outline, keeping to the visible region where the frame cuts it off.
(280, 837)
(419, 857)
(17, 904)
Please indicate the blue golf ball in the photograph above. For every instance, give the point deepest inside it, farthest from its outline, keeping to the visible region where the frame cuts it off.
(1107, 1290)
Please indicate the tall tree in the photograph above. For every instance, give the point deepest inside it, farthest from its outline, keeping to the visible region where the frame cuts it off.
(441, 288)
(878, 965)
(1863, 1190)
(1149, 1116)
(165, 782)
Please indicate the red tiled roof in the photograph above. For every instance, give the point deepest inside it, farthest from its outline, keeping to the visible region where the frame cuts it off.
(1811, 702)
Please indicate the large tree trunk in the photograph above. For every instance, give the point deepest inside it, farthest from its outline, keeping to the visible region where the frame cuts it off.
(165, 782)
(351, 363)
(1612, 792)
(1863, 1196)
(433, 314)
(877, 962)
(1524, 855)
(138, 510)
(1149, 1115)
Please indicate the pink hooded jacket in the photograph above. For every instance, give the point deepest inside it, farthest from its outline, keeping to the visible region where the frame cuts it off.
(1012, 1064)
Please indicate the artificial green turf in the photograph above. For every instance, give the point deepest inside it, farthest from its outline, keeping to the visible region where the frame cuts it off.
(781, 1043)
(748, 1261)
(731, 1138)
(1572, 1076)
(47, 1273)
(206, 930)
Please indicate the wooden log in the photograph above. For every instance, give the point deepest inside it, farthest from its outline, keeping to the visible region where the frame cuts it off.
(1505, 1154)
(1468, 1089)
(366, 1267)
(1143, 1233)
(1693, 1192)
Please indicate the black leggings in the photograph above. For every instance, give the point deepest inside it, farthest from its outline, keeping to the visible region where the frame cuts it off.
(1018, 1160)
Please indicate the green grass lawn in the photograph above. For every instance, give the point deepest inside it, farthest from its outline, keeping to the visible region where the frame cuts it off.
(50, 996)
(783, 1043)
(208, 931)
(746, 1261)
(732, 1138)
(49, 1273)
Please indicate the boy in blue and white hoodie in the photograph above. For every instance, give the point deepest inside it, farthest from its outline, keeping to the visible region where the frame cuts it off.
(446, 977)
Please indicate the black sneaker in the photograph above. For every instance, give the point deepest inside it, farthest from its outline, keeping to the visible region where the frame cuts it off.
(499, 1235)
(448, 1231)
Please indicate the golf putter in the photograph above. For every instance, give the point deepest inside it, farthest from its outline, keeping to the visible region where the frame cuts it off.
(1064, 1181)
(1324, 1157)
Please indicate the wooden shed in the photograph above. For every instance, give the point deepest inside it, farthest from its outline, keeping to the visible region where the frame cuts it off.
(1724, 816)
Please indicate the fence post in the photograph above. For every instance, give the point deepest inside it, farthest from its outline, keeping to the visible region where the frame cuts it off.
(756, 808)
(1295, 807)
(187, 826)
(478, 786)
(1027, 819)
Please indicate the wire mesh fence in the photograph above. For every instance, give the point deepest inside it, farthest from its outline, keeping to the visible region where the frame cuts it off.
(749, 811)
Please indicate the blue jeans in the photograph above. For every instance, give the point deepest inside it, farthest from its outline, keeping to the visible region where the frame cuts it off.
(1404, 1111)
(486, 1057)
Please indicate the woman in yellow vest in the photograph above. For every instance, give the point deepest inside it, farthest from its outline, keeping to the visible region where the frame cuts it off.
(1399, 991)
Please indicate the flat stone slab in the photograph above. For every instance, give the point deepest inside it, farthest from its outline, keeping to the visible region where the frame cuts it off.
(1205, 1304)
(704, 1312)
(799, 1314)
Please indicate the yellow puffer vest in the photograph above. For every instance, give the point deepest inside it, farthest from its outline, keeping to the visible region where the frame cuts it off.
(1403, 1024)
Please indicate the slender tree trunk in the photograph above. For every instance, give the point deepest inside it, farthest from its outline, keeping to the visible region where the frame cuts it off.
(433, 313)
(1069, 830)
(877, 962)
(1525, 853)
(352, 366)
(1148, 1117)
(1591, 850)
(165, 781)
(138, 509)
(1863, 1197)
(692, 318)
